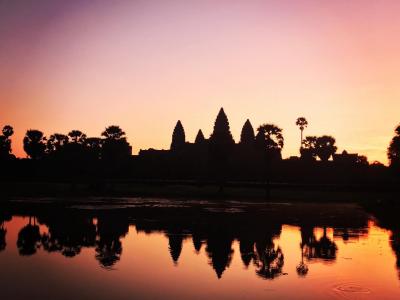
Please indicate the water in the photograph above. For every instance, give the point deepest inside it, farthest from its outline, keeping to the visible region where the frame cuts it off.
(197, 251)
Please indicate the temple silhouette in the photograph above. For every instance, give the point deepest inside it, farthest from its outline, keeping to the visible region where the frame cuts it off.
(69, 230)
(218, 160)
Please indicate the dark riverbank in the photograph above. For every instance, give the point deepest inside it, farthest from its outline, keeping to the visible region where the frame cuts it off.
(244, 191)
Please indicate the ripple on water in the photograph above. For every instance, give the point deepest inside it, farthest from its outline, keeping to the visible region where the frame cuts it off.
(349, 289)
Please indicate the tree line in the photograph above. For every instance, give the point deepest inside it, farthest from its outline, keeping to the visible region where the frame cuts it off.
(258, 154)
(70, 232)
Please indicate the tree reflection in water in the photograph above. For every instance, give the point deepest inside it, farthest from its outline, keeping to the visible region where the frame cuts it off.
(3, 231)
(70, 230)
(269, 258)
(110, 229)
(29, 238)
(68, 233)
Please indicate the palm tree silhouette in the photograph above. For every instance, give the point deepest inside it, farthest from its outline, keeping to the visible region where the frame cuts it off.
(302, 123)
(34, 144)
(29, 238)
(393, 151)
(8, 131)
(273, 138)
(77, 136)
(325, 147)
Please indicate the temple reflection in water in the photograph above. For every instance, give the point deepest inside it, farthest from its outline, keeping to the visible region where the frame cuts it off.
(257, 231)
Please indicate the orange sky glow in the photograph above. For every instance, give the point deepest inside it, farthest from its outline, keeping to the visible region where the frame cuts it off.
(145, 64)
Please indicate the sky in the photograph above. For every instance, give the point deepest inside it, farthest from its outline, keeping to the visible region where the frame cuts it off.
(143, 65)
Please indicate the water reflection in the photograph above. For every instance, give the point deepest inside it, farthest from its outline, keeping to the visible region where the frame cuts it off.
(110, 229)
(29, 238)
(67, 232)
(317, 240)
(3, 218)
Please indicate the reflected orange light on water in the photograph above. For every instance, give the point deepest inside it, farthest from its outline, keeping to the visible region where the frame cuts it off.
(364, 268)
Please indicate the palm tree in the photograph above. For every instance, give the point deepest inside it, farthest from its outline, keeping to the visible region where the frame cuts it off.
(8, 131)
(5, 142)
(113, 132)
(273, 138)
(394, 150)
(325, 147)
(77, 136)
(308, 149)
(34, 144)
(56, 142)
(302, 123)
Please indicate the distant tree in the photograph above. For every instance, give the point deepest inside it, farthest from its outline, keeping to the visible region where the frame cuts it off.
(394, 150)
(115, 147)
(56, 142)
(113, 132)
(199, 137)
(247, 136)
(34, 144)
(308, 150)
(110, 230)
(269, 260)
(29, 239)
(5, 142)
(8, 131)
(77, 136)
(271, 136)
(178, 137)
(362, 160)
(325, 147)
(302, 123)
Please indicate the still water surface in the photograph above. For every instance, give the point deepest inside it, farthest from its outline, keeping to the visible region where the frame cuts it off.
(82, 253)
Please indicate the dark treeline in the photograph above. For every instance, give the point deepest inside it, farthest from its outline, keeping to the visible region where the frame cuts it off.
(256, 157)
(212, 233)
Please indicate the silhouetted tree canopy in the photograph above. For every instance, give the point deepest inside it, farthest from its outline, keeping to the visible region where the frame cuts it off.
(8, 131)
(247, 136)
(34, 144)
(5, 142)
(77, 136)
(272, 136)
(113, 132)
(269, 260)
(56, 142)
(28, 239)
(308, 149)
(394, 150)
(108, 245)
(178, 137)
(302, 123)
(115, 146)
(325, 147)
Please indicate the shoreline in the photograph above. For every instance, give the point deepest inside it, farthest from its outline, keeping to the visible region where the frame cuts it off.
(239, 191)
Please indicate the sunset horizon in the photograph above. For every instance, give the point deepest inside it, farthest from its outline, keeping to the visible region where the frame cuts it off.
(143, 66)
(199, 149)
